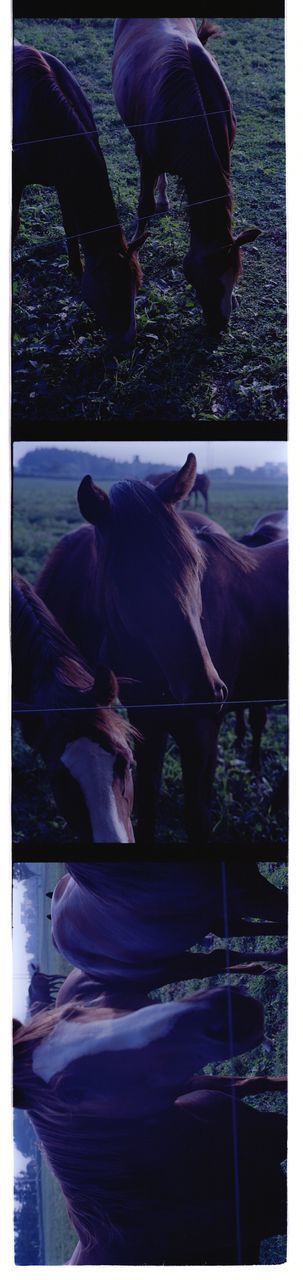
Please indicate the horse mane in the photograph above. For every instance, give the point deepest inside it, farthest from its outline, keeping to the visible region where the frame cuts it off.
(172, 546)
(86, 1153)
(234, 551)
(58, 663)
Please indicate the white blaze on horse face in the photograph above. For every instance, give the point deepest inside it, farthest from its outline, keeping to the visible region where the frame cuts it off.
(70, 1041)
(135, 1064)
(93, 769)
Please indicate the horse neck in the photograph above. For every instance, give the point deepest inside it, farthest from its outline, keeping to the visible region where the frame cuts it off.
(206, 162)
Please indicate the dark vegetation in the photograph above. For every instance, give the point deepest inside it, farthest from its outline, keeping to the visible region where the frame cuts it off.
(243, 801)
(61, 364)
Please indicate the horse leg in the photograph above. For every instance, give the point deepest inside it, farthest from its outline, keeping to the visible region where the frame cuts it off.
(252, 896)
(74, 260)
(240, 726)
(200, 964)
(196, 737)
(149, 758)
(161, 197)
(206, 502)
(146, 202)
(257, 720)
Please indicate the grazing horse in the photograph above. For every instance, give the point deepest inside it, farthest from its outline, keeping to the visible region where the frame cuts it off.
(130, 927)
(56, 144)
(146, 1168)
(86, 752)
(201, 485)
(170, 93)
(171, 610)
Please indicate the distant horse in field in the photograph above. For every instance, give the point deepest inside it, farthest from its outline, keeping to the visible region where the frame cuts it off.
(171, 611)
(56, 144)
(171, 95)
(131, 927)
(201, 484)
(86, 751)
(43, 989)
(146, 1167)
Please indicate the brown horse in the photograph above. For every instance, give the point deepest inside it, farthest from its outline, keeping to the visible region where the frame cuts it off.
(128, 929)
(135, 584)
(56, 144)
(86, 751)
(170, 93)
(146, 1167)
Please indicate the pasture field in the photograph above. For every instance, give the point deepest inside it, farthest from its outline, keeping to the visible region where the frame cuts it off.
(59, 1237)
(44, 510)
(61, 365)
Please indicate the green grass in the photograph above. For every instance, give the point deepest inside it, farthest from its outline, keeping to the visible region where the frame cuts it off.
(61, 364)
(43, 510)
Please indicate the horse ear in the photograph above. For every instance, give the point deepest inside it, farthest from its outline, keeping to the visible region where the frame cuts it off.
(179, 484)
(247, 236)
(106, 687)
(94, 503)
(136, 244)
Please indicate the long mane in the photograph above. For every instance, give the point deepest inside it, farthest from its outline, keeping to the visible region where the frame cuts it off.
(53, 671)
(171, 550)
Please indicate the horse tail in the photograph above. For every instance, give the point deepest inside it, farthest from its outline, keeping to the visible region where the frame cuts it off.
(206, 30)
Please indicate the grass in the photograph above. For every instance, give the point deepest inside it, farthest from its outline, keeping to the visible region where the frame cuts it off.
(242, 802)
(61, 363)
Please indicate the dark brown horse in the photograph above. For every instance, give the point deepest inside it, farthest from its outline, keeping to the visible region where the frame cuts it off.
(146, 1167)
(43, 989)
(267, 529)
(56, 144)
(139, 587)
(170, 93)
(128, 929)
(85, 746)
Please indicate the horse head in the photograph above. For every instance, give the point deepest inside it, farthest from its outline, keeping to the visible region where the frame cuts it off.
(151, 584)
(110, 285)
(213, 273)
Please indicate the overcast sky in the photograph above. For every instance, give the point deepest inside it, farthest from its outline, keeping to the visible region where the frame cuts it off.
(209, 453)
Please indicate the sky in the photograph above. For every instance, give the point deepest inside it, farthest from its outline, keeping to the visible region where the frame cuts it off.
(209, 453)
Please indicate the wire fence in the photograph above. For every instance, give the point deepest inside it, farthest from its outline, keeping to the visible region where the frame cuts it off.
(25, 709)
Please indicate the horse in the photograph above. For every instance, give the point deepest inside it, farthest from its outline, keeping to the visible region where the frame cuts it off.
(171, 610)
(56, 144)
(43, 988)
(146, 1168)
(267, 529)
(128, 929)
(86, 751)
(170, 93)
(201, 484)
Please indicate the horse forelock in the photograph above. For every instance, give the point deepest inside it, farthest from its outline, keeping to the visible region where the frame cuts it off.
(167, 543)
(133, 261)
